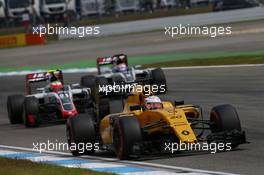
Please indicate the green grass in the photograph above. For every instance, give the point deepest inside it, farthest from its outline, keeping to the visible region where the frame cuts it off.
(24, 167)
(233, 60)
(174, 59)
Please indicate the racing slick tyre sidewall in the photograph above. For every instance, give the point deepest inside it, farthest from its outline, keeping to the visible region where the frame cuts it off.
(103, 108)
(80, 129)
(99, 82)
(31, 112)
(88, 81)
(159, 79)
(225, 118)
(15, 108)
(127, 132)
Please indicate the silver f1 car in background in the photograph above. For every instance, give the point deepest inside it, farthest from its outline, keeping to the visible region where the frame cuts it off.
(114, 71)
(47, 100)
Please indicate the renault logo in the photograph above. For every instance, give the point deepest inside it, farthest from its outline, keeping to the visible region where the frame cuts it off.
(185, 132)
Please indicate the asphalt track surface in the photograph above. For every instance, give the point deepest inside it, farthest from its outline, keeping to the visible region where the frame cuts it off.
(141, 44)
(242, 87)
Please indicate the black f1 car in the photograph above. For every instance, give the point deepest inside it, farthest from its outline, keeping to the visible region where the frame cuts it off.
(114, 71)
(47, 100)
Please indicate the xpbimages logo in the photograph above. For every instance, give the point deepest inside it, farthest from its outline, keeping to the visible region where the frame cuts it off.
(211, 147)
(62, 146)
(59, 30)
(134, 87)
(184, 30)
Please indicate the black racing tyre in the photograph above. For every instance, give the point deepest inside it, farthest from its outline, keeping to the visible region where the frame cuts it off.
(159, 79)
(224, 118)
(80, 129)
(31, 117)
(118, 81)
(100, 82)
(88, 81)
(103, 108)
(15, 107)
(127, 132)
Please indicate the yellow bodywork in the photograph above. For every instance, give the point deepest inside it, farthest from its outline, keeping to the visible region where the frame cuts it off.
(167, 120)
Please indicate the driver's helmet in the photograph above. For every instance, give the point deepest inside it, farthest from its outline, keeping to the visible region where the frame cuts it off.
(120, 63)
(56, 86)
(121, 59)
(121, 67)
(153, 102)
(53, 77)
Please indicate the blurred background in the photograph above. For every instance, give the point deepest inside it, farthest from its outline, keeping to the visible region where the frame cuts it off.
(136, 28)
(132, 27)
(21, 14)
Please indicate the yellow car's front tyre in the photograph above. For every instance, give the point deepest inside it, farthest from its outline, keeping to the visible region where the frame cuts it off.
(127, 132)
(225, 118)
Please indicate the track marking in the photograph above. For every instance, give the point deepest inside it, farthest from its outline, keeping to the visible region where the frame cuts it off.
(91, 70)
(73, 70)
(92, 165)
(212, 67)
(248, 31)
(44, 158)
(126, 163)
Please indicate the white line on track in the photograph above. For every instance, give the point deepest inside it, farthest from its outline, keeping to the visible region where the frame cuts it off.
(90, 70)
(147, 164)
(212, 67)
(73, 70)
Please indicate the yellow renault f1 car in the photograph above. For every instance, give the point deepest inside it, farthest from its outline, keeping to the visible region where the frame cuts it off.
(139, 130)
